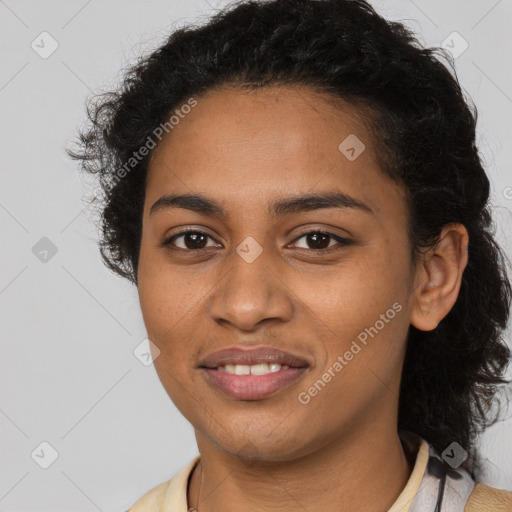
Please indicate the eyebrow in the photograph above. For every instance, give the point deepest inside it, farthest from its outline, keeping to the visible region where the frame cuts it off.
(201, 204)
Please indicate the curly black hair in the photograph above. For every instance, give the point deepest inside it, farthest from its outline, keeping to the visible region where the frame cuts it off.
(424, 134)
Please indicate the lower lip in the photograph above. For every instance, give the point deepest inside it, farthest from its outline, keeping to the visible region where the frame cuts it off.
(253, 387)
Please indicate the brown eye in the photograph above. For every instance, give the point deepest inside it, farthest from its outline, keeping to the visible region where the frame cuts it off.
(192, 240)
(320, 240)
(316, 241)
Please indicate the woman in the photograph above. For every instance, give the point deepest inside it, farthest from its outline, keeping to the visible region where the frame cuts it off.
(294, 189)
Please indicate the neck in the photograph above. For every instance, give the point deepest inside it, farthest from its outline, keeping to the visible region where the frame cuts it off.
(366, 470)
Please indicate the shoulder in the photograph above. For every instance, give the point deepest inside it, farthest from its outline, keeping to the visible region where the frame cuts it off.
(489, 499)
(152, 500)
(450, 489)
(169, 495)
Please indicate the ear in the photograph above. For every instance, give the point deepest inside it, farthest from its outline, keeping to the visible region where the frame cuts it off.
(438, 278)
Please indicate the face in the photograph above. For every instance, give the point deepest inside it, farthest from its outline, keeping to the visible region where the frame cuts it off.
(325, 281)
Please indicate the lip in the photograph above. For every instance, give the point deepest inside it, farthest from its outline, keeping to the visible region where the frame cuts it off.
(252, 355)
(252, 387)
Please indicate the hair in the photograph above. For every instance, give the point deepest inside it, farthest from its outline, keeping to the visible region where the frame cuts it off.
(424, 134)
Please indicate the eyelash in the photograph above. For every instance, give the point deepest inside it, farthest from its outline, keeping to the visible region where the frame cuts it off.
(342, 241)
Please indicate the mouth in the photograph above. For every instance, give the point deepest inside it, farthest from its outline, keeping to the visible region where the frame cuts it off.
(252, 373)
(253, 369)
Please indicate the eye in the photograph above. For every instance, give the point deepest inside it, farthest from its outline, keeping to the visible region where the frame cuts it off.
(321, 241)
(192, 240)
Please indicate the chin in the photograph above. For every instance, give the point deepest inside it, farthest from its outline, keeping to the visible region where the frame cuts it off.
(260, 446)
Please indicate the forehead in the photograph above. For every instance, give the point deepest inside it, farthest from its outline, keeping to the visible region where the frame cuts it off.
(233, 119)
(264, 143)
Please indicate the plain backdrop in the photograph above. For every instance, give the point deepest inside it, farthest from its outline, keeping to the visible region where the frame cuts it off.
(69, 377)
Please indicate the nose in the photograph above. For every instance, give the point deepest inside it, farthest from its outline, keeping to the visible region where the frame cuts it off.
(251, 293)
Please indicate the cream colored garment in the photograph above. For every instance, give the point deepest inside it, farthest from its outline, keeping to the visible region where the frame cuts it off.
(171, 496)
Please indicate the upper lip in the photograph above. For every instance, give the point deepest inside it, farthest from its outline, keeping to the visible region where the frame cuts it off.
(253, 355)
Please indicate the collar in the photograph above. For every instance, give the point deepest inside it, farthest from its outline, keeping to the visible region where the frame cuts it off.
(430, 478)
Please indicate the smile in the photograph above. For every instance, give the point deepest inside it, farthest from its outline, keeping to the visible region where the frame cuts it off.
(254, 369)
(246, 385)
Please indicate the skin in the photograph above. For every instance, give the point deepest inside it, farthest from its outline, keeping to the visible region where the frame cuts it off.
(246, 150)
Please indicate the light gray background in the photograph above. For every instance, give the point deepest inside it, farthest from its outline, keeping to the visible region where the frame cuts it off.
(68, 329)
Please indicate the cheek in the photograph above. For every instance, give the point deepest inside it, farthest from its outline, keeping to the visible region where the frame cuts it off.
(362, 307)
(170, 302)
(352, 294)
(164, 309)
(162, 297)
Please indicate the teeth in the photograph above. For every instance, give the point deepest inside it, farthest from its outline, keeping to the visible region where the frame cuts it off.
(259, 369)
(254, 369)
(242, 369)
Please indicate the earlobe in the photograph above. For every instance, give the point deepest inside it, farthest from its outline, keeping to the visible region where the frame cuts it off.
(439, 277)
